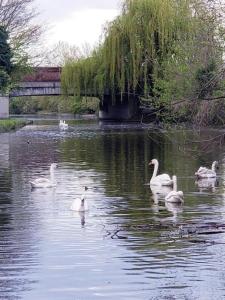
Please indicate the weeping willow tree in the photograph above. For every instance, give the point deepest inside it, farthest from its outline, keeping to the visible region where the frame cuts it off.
(140, 48)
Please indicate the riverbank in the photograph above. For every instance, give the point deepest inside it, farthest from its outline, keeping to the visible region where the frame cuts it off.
(12, 124)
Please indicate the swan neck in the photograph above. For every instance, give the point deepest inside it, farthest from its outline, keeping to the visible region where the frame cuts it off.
(156, 166)
(175, 184)
(213, 166)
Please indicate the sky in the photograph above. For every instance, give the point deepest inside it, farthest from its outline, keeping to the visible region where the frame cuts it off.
(75, 21)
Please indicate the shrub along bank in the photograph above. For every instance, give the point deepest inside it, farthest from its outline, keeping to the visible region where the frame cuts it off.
(41, 104)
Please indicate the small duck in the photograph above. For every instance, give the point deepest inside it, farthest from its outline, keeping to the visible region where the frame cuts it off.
(175, 196)
(80, 204)
(204, 172)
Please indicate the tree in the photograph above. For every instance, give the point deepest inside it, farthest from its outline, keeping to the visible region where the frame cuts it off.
(60, 53)
(135, 46)
(157, 50)
(6, 65)
(18, 19)
(17, 16)
(5, 51)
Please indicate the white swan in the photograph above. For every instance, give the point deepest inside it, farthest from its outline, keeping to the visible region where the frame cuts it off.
(42, 182)
(207, 184)
(204, 172)
(63, 125)
(175, 196)
(163, 179)
(80, 204)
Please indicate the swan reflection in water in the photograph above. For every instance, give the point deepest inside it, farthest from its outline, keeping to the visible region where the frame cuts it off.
(158, 194)
(82, 217)
(207, 184)
(174, 208)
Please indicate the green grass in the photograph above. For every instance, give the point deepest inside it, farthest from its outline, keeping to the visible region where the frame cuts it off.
(11, 124)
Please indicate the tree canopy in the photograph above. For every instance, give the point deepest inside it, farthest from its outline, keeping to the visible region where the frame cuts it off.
(148, 48)
(18, 34)
(6, 65)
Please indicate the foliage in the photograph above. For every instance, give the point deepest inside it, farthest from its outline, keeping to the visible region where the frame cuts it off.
(6, 65)
(135, 46)
(162, 50)
(17, 17)
(31, 105)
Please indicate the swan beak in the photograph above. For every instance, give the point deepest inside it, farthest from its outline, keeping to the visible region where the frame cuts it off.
(150, 163)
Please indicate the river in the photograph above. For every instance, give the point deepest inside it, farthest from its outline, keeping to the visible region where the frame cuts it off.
(130, 244)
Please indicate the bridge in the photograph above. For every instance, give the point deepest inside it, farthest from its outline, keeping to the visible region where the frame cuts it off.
(41, 82)
(45, 81)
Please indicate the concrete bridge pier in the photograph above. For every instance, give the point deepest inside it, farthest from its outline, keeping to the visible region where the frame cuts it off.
(4, 106)
(122, 110)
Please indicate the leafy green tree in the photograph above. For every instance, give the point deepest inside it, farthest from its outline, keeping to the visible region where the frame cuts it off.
(157, 50)
(6, 65)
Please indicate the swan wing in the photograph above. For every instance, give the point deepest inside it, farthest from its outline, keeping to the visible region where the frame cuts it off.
(208, 173)
(42, 182)
(202, 169)
(163, 179)
(175, 196)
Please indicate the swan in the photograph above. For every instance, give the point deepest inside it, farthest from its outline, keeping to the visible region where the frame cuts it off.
(175, 196)
(163, 179)
(207, 183)
(204, 172)
(42, 182)
(63, 125)
(80, 204)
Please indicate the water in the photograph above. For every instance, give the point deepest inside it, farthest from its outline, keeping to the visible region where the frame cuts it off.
(129, 245)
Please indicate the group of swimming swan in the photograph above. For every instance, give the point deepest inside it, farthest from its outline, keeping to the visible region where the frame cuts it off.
(159, 181)
(79, 204)
(63, 125)
(162, 180)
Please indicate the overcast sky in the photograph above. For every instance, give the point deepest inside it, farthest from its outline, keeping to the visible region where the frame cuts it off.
(76, 21)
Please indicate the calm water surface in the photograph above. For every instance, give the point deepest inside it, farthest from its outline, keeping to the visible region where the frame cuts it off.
(128, 246)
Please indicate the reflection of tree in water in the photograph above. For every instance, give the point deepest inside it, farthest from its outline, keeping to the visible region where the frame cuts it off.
(17, 239)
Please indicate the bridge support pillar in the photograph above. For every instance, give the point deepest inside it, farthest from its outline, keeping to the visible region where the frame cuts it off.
(4, 106)
(125, 110)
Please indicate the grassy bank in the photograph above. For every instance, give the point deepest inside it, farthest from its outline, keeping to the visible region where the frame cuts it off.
(11, 124)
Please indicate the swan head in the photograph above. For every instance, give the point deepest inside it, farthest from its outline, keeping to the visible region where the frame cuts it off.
(215, 164)
(153, 162)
